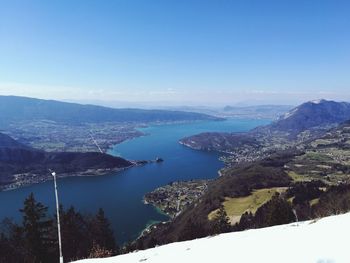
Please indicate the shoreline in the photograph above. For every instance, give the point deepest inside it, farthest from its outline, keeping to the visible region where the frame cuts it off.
(87, 173)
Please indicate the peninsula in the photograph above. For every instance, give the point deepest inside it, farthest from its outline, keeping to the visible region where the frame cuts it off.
(22, 165)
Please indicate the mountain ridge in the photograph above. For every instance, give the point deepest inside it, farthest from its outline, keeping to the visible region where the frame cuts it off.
(16, 108)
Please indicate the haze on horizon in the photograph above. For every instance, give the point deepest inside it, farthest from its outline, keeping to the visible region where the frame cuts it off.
(193, 52)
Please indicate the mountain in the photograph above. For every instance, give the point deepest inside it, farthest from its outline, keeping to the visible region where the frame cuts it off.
(312, 114)
(305, 122)
(272, 244)
(21, 165)
(15, 109)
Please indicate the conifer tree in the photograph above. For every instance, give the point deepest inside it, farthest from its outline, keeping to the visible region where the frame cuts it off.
(101, 232)
(76, 241)
(246, 222)
(36, 227)
(221, 222)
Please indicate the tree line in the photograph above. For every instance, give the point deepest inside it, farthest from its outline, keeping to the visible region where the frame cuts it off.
(35, 239)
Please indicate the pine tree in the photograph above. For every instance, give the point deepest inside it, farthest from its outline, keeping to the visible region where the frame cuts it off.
(76, 241)
(11, 242)
(246, 222)
(36, 227)
(221, 223)
(101, 232)
(277, 211)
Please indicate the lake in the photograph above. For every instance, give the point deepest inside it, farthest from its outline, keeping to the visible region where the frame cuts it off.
(120, 194)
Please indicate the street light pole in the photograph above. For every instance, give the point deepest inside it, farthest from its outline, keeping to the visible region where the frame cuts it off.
(58, 217)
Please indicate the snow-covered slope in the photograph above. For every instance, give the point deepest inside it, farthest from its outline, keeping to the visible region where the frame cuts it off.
(322, 241)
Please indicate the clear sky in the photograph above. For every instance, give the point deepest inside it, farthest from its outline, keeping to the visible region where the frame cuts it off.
(176, 52)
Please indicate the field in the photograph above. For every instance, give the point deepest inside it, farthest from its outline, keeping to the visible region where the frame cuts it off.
(298, 177)
(236, 207)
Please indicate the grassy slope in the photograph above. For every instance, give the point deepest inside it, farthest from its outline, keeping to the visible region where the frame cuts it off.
(236, 207)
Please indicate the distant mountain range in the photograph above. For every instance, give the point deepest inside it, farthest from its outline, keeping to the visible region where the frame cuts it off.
(14, 109)
(259, 111)
(243, 112)
(22, 165)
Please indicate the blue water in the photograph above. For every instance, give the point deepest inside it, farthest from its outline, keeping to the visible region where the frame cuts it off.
(120, 194)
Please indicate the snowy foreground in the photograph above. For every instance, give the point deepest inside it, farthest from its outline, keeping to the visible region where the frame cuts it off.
(322, 241)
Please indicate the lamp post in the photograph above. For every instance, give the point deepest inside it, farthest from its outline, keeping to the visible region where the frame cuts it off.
(58, 217)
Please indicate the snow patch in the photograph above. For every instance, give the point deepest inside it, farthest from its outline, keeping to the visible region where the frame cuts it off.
(289, 113)
(316, 241)
(317, 101)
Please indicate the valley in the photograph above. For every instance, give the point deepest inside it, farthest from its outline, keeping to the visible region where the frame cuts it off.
(262, 166)
(77, 127)
(120, 193)
(53, 136)
(73, 140)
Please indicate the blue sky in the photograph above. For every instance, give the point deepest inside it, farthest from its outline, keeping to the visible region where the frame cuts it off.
(176, 52)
